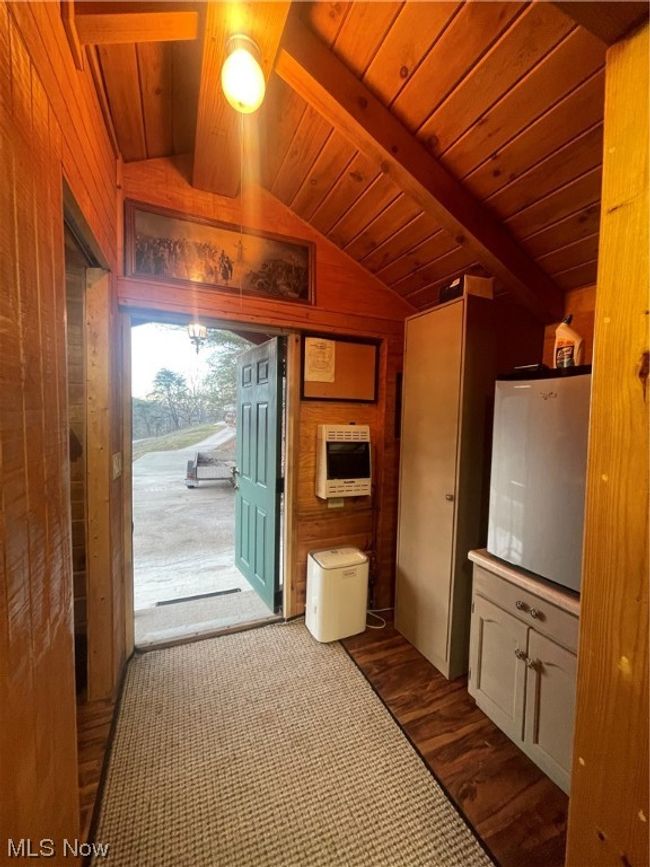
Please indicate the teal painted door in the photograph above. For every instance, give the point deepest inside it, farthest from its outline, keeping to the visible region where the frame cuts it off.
(259, 437)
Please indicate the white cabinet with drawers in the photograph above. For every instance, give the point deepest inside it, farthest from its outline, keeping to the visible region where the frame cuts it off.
(523, 643)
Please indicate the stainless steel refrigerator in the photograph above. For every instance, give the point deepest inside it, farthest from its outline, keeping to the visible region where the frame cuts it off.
(539, 460)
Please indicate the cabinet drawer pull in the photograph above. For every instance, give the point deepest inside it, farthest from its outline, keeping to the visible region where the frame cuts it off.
(520, 654)
(521, 605)
(536, 614)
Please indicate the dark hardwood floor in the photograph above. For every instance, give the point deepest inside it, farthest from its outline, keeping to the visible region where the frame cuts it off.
(94, 721)
(519, 814)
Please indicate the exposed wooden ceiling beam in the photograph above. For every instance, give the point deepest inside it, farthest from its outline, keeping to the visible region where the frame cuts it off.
(217, 163)
(316, 74)
(609, 21)
(115, 23)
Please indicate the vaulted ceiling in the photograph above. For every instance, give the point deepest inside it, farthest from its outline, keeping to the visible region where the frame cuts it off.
(505, 99)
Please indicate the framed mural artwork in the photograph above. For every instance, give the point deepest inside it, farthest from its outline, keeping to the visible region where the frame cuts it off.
(168, 247)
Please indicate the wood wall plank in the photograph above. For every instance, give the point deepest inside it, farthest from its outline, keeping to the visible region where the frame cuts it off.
(394, 217)
(87, 154)
(584, 221)
(573, 60)
(155, 76)
(122, 77)
(95, 27)
(332, 161)
(417, 27)
(433, 247)
(363, 30)
(467, 38)
(279, 117)
(409, 236)
(581, 304)
(310, 135)
(571, 255)
(381, 193)
(557, 204)
(186, 75)
(326, 18)
(576, 158)
(561, 125)
(530, 38)
(578, 275)
(349, 187)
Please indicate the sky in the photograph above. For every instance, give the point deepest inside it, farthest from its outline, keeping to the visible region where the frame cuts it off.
(156, 345)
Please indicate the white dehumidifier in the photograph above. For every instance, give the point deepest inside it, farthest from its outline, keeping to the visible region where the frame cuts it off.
(337, 593)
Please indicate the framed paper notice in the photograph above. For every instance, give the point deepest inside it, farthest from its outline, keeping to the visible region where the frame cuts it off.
(320, 359)
(343, 369)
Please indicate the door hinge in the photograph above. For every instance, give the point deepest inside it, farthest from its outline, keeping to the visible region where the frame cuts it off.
(279, 485)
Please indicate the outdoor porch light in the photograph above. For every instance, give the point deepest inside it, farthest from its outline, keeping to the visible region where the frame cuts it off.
(242, 78)
(198, 334)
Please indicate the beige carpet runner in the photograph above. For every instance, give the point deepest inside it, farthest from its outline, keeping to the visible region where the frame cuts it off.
(268, 749)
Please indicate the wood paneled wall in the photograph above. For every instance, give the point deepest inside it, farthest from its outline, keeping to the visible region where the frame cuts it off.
(51, 128)
(349, 301)
(37, 729)
(609, 808)
(581, 303)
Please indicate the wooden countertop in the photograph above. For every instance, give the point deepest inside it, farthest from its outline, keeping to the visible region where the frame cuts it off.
(564, 599)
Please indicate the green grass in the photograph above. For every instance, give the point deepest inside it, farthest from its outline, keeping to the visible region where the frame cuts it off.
(176, 440)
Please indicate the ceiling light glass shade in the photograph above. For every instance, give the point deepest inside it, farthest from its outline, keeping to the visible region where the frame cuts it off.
(242, 78)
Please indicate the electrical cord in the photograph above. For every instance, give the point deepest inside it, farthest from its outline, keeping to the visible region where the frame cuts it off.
(374, 613)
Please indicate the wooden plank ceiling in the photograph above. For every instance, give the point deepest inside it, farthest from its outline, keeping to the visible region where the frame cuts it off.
(507, 96)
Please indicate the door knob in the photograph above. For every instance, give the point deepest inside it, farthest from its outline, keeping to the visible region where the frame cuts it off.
(449, 497)
(520, 654)
(535, 664)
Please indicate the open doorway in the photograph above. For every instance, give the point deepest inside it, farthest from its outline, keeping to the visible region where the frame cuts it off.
(191, 574)
(76, 263)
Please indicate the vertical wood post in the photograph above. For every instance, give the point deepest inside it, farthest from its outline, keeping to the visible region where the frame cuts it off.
(608, 818)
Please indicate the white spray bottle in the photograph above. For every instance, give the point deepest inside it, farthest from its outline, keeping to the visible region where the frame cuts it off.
(568, 345)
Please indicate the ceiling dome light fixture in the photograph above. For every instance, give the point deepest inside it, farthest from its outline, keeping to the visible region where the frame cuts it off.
(242, 78)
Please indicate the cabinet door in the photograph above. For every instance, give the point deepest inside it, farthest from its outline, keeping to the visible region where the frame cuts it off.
(431, 395)
(498, 666)
(550, 705)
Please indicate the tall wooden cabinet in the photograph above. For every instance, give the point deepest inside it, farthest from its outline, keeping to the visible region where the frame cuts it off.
(448, 387)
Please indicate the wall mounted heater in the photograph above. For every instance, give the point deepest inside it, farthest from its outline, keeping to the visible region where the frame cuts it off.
(343, 461)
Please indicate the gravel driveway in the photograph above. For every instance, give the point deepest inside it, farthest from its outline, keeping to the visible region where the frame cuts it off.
(182, 537)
